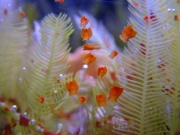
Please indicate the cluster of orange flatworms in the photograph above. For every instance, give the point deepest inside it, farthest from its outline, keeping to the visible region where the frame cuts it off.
(114, 93)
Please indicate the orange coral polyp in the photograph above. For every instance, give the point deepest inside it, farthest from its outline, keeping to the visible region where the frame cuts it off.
(102, 71)
(114, 93)
(72, 87)
(86, 33)
(128, 33)
(89, 58)
(101, 100)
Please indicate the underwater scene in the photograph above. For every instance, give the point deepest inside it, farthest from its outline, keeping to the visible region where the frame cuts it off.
(89, 67)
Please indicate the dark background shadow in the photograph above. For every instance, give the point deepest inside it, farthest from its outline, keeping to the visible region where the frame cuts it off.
(112, 13)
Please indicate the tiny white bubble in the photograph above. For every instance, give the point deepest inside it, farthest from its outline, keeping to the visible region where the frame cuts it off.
(20, 80)
(60, 126)
(2, 104)
(23, 68)
(150, 108)
(38, 128)
(169, 9)
(13, 108)
(32, 122)
(60, 75)
(25, 114)
(55, 91)
(85, 66)
(159, 60)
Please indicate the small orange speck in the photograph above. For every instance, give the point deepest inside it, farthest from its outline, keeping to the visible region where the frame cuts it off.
(143, 48)
(147, 19)
(69, 133)
(52, 109)
(114, 93)
(105, 121)
(81, 99)
(136, 4)
(113, 76)
(60, 1)
(101, 100)
(45, 70)
(113, 54)
(176, 18)
(41, 99)
(150, 78)
(5, 11)
(86, 33)
(22, 15)
(58, 80)
(110, 117)
(98, 124)
(84, 21)
(89, 58)
(32, 61)
(129, 77)
(40, 125)
(102, 71)
(128, 33)
(6, 108)
(72, 87)
(126, 119)
(61, 113)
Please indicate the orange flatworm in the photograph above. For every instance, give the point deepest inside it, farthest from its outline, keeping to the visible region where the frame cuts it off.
(81, 99)
(86, 33)
(113, 54)
(114, 93)
(84, 21)
(89, 58)
(72, 87)
(102, 71)
(128, 33)
(91, 47)
(101, 100)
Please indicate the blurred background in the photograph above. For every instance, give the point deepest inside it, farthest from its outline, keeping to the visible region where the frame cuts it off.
(113, 14)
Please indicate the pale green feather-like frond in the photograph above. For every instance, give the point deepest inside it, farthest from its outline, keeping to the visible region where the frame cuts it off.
(99, 117)
(14, 39)
(143, 102)
(173, 70)
(44, 78)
